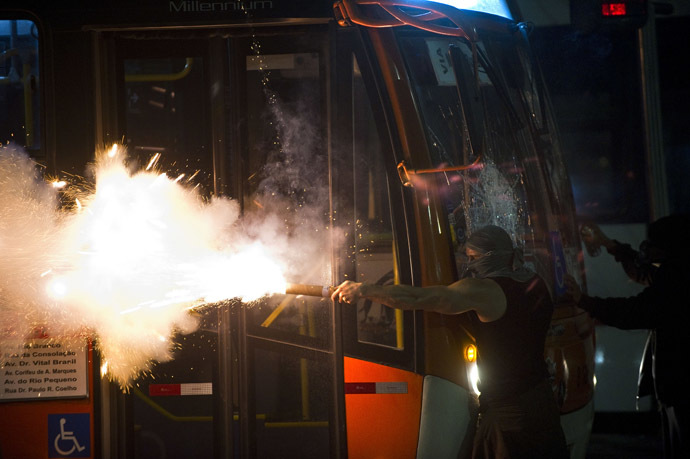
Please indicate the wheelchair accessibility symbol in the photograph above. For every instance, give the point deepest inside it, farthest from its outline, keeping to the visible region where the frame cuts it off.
(69, 435)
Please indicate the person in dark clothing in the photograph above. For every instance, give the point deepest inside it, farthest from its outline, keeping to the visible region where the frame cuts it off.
(509, 310)
(662, 265)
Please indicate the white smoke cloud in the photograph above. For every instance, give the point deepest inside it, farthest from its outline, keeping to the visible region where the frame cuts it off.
(127, 263)
(28, 222)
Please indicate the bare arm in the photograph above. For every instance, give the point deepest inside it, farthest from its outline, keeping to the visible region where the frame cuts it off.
(623, 253)
(481, 295)
(592, 234)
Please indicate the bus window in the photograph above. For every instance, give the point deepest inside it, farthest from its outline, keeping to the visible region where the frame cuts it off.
(374, 248)
(165, 116)
(605, 147)
(286, 177)
(501, 188)
(20, 104)
(292, 394)
(173, 407)
(285, 188)
(163, 106)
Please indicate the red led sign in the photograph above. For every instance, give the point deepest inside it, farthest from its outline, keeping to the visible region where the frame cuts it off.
(613, 9)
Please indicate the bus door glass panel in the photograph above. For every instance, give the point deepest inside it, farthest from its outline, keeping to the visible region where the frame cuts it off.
(173, 405)
(20, 108)
(286, 187)
(293, 394)
(285, 202)
(494, 190)
(165, 108)
(166, 118)
(374, 248)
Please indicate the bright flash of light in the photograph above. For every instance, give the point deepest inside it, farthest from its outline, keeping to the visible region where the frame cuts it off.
(127, 266)
(57, 289)
(473, 374)
(144, 251)
(249, 274)
(498, 7)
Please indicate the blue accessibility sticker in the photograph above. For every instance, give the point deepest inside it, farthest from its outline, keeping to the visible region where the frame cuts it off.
(69, 435)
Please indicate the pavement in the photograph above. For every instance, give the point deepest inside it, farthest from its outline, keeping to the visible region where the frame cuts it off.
(625, 436)
(627, 446)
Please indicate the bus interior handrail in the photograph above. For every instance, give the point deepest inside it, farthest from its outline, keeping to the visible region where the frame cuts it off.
(162, 76)
(406, 174)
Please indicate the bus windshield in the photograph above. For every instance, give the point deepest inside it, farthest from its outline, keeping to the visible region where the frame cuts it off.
(489, 136)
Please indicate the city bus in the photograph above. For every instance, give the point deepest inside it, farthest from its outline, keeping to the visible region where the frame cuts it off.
(381, 133)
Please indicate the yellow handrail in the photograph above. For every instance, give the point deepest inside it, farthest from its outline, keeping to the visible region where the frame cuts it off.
(168, 414)
(138, 78)
(399, 316)
(268, 424)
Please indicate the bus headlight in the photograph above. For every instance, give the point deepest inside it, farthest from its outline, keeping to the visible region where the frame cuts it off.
(470, 356)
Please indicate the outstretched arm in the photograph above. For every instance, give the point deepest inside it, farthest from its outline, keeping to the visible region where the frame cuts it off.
(593, 235)
(481, 295)
(623, 253)
(629, 313)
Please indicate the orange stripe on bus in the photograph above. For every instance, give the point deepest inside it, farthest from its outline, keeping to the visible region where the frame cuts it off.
(381, 426)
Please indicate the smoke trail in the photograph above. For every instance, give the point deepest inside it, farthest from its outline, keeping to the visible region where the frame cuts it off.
(292, 184)
(125, 264)
(28, 222)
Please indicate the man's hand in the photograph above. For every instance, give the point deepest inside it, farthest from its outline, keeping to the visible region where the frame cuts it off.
(593, 236)
(348, 292)
(572, 289)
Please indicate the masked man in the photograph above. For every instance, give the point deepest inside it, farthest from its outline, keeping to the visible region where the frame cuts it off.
(662, 265)
(509, 310)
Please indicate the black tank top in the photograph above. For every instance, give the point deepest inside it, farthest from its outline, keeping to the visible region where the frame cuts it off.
(511, 349)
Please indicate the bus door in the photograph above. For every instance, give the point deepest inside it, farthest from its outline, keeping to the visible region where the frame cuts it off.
(383, 387)
(243, 113)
